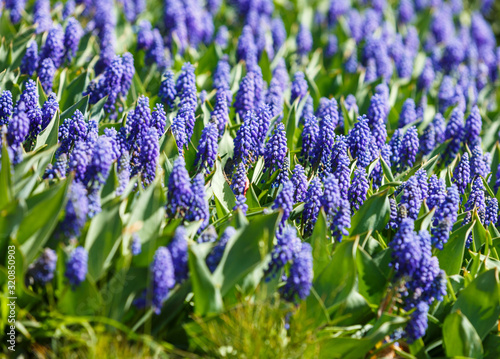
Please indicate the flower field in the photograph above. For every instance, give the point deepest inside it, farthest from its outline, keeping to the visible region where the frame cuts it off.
(250, 178)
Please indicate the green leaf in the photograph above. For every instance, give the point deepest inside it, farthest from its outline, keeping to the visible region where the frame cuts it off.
(460, 339)
(245, 251)
(371, 281)
(6, 191)
(207, 296)
(338, 279)
(80, 105)
(49, 135)
(320, 244)
(103, 240)
(41, 219)
(221, 189)
(373, 214)
(97, 111)
(451, 257)
(75, 89)
(480, 302)
(355, 348)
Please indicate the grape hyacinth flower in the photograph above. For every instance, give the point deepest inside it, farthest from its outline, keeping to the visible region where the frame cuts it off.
(304, 41)
(178, 248)
(46, 73)
(135, 246)
(49, 109)
(287, 246)
(331, 195)
(276, 148)
(42, 270)
(478, 166)
(76, 267)
(244, 142)
(409, 147)
(310, 135)
(179, 194)
(299, 281)
(437, 192)
(299, 87)
(472, 129)
(72, 36)
(284, 201)
(406, 251)
(299, 181)
(461, 174)
(198, 208)
(19, 126)
(358, 189)
(312, 206)
(163, 278)
(5, 107)
(445, 217)
(29, 63)
(341, 221)
(245, 96)
(207, 148)
(408, 114)
(491, 212)
(54, 46)
(168, 92)
(144, 35)
(412, 197)
(150, 152)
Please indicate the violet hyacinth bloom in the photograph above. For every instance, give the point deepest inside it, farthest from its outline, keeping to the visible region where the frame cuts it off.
(454, 131)
(168, 92)
(331, 195)
(299, 281)
(341, 221)
(221, 111)
(358, 190)
(76, 267)
(72, 36)
(437, 192)
(412, 197)
(207, 148)
(325, 142)
(406, 252)
(288, 245)
(19, 126)
(163, 277)
(276, 148)
(445, 217)
(54, 46)
(310, 135)
(42, 270)
(299, 87)
(46, 73)
(178, 248)
(180, 193)
(41, 16)
(245, 97)
(409, 147)
(284, 201)
(312, 206)
(6, 104)
(29, 63)
(245, 140)
(144, 35)
(304, 41)
(472, 129)
(50, 107)
(150, 151)
(491, 212)
(299, 181)
(408, 114)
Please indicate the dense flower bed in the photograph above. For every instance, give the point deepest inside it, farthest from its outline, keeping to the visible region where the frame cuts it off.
(251, 178)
